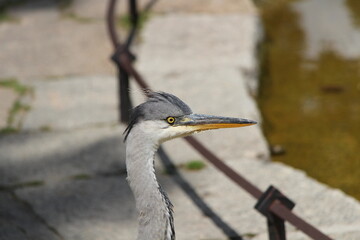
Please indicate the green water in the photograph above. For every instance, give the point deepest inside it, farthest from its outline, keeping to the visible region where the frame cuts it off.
(311, 108)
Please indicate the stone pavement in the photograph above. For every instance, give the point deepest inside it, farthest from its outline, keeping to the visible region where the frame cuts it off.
(8, 97)
(63, 175)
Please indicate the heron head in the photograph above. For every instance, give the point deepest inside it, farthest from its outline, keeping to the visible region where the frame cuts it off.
(164, 116)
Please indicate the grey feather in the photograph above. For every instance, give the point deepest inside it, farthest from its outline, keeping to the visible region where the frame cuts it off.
(148, 128)
(171, 212)
(159, 106)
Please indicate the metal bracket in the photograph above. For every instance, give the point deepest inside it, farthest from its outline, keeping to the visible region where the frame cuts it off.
(276, 225)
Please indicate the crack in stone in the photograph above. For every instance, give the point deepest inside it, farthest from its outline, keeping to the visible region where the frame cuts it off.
(31, 211)
(80, 176)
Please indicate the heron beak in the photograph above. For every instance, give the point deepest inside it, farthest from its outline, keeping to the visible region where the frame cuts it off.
(200, 122)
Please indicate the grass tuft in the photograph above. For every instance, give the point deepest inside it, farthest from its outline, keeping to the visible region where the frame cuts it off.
(125, 20)
(35, 183)
(77, 18)
(195, 165)
(15, 85)
(249, 235)
(8, 130)
(18, 107)
(45, 128)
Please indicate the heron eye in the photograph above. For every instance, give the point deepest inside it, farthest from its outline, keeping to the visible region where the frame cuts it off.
(170, 120)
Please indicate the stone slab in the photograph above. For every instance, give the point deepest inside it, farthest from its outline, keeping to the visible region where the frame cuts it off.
(18, 220)
(201, 42)
(211, 7)
(46, 157)
(78, 212)
(330, 210)
(95, 9)
(74, 102)
(8, 97)
(45, 43)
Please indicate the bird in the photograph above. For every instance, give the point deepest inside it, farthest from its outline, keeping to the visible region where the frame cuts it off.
(162, 117)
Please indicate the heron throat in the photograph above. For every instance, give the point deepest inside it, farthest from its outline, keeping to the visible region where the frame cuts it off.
(153, 205)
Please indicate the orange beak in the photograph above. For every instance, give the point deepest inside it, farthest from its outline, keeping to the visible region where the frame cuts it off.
(201, 122)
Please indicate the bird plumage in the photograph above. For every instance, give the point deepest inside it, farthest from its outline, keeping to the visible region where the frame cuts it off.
(162, 117)
(159, 105)
(155, 209)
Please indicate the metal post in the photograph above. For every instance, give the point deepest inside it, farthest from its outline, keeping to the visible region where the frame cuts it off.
(276, 228)
(125, 104)
(276, 225)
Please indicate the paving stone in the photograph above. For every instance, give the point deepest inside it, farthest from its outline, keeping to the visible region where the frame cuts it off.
(8, 97)
(45, 157)
(212, 7)
(201, 42)
(96, 9)
(46, 43)
(78, 212)
(18, 221)
(328, 209)
(75, 102)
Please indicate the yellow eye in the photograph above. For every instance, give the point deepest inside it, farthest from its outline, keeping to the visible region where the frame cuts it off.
(170, 120)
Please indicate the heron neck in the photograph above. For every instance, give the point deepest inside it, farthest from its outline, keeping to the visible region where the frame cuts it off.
(154, 208)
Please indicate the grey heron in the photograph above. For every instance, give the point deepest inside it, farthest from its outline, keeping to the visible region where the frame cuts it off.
(162, 117)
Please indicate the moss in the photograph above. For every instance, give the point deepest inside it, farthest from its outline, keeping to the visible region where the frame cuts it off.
(18, 107)
(72, 16)
(5, 17)
(14, 84)
(124, 21)
(318, 127)
(8, 130)
(35, 183)
(194, 165)
(249, 235)
(45, 128)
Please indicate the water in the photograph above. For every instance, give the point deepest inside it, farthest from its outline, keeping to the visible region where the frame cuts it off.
(310, 88)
